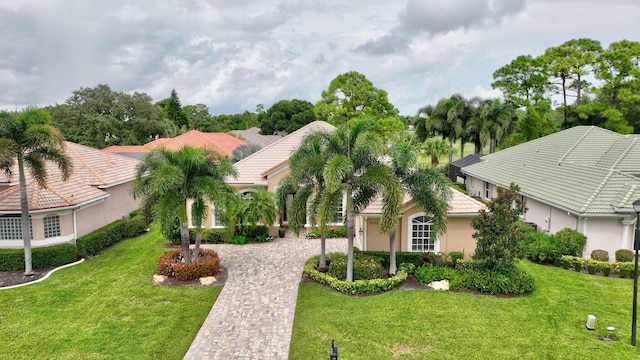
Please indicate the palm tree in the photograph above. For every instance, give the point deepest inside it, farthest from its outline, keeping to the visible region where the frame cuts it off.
(500, 119)
(448, 119)
(429, 188)
(435, 147)
(167, 179)
(260, 207)
(354, 167)
(29, 140)
(243, 151)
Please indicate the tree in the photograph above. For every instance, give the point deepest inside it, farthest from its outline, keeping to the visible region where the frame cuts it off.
(386, 127)
(286, 116)
(429, 188)
(523, 81)
(354, 167)
(449, 119)
(497, 230)
(174, 111)
(499, 119)
(166, 179)
(351, 95)
(260, 207)
(29, 140)
(435, 147)
(198, 116)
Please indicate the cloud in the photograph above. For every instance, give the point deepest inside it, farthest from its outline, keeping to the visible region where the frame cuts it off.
(439, 17)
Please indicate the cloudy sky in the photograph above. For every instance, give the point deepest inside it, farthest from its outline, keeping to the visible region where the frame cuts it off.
(235, 54)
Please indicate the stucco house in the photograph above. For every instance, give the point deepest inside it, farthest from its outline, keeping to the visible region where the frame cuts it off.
(265, 168)
(584, 178)
(96, 194)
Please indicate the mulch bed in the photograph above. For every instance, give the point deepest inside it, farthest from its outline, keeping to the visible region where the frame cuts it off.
(10, 278)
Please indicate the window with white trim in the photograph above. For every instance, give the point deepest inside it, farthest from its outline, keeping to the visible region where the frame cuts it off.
(51, 226)
(487, 190)
(11, 228)
(420, 236)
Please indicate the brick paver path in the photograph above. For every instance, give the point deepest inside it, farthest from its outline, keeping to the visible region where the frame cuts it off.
(253, 315)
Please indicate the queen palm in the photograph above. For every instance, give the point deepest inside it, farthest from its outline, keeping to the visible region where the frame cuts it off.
(28, 139)
(166, 179)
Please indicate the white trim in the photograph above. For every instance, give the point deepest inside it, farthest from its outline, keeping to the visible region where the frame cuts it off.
(19, 244)
(120, 182)
(79, 206)
(432, 235)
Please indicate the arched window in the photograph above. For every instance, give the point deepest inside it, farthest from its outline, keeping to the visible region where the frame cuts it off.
(420, 236)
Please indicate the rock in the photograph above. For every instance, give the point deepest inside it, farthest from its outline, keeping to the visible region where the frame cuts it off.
(440, 285)
(159, 279)
(207, 280)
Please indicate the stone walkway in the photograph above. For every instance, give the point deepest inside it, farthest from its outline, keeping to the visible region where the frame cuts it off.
(253, 315)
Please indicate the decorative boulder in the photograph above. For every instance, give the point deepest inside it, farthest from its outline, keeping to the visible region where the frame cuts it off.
(207, 280)
(440, 285)
(159, 279)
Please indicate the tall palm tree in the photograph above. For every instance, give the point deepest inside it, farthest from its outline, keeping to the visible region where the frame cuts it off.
(354, 167)
(435, 147)
(167, 179)
(429, 188)
(448, 119)
(28, 139)
(500, 119)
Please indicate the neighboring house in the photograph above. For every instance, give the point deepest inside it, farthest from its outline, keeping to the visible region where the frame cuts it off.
(96, 194)
(265, 168)
(220, 142)
(253, 136)
(584, 178)
(455, 168)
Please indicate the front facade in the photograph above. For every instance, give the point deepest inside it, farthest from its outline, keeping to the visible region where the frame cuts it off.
(96, 194)
(584, 178)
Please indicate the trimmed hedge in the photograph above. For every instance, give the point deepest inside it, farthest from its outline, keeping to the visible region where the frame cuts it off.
(429, 273)
(416, 258)
(624, 255)
(41, 257)
(94, 242)
(365, 267)
(514, 281)
(355, 287)
(622, 269)
(600, 255)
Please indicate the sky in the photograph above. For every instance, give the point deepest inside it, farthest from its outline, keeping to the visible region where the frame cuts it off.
(232, 55)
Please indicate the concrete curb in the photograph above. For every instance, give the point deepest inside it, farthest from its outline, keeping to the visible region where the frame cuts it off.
(44, 277)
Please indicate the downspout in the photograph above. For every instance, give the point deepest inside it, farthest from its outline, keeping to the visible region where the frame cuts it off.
(75, 227)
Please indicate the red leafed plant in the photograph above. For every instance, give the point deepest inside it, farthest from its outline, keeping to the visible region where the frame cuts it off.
(172, 265)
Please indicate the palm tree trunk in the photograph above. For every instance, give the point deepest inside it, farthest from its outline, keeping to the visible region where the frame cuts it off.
(322, 266)
(196, 250)
(351, 232)
(392, 253)
(185, 240)
(462, 140)
(24, 210)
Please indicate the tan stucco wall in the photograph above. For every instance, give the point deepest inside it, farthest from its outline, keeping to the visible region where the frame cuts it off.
(457, 238)
(112, 208)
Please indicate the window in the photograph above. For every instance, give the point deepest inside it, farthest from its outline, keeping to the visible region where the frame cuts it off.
(487, 190)
(51, 226)
(420, 235)
(11, 228)
(217, 217)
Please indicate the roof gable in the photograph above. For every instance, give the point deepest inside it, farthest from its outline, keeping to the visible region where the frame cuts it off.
(459, 204)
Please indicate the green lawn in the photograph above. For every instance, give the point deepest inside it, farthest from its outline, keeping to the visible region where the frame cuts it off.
(104, 308)
(422, 324)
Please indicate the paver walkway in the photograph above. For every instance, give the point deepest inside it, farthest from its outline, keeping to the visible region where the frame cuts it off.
(253, 315)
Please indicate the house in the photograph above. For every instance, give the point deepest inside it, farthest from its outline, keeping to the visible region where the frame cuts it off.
(584, 178)
(265, 168)
(220, 142)
(455, 168)
(96, 194)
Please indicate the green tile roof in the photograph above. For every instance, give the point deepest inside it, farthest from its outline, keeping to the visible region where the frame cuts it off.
(585, 170)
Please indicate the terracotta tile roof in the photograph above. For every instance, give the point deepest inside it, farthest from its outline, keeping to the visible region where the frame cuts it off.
(125, 149)
(220, 142)
(460, 204)
(251, 170)
(253, 136)
(92, 170)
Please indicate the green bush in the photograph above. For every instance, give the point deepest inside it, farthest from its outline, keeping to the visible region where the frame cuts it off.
(513, 281)
(352, 287)
(209, 236)
(264, 238)
(577, 263)
(416, 258)
(408, 267)
(96, 241)
(592, 266)
(605, 269)
(365, 267)
(624, 269)
(239, 240)
(251, 232)
(600, 255)
(543, 249)
(41, 257)
(455, 256)
(570, 242)
(429, 273)
(171, 264)
(624, 255)
(332, 232)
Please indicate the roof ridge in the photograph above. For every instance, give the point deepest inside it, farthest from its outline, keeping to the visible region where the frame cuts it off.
(81, 159)
(589, 130)
(598, 189)
(624, 153)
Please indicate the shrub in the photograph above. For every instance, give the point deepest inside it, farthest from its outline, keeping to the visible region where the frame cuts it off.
(429, 273)
(624, 269)
(98, 240)
(408, 267)
(239, 240)
(352, 287)
(600, 255)
(264, 238)
(172, 264)
(365, 267)
(41, 257)
(434, 259)
(209, 236)
(251, 232)
(592, 266)
(606, 269)
(566, 261)
(401, 257)
(624, 255)
(455, 256)
(577, 263)
(570, 242)
(513, 281)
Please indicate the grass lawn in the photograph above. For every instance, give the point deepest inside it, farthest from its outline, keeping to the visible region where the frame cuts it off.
(104, 308)
(422, 324)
